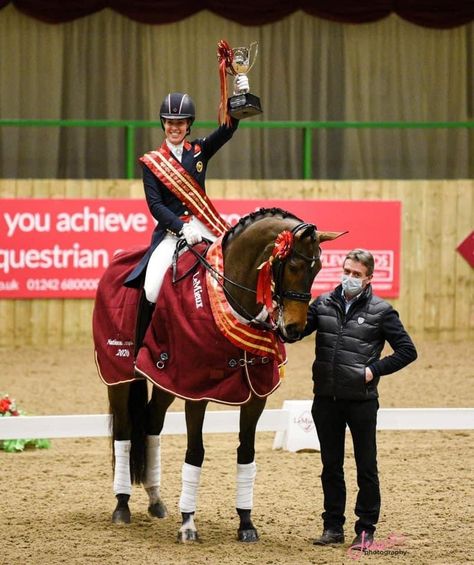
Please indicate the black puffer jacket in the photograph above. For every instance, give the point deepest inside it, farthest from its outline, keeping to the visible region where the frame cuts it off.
(348, 343)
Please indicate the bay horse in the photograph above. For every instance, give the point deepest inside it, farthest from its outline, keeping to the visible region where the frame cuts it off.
(255, 286)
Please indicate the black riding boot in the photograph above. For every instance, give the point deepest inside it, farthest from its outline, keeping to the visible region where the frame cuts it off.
(144, 314)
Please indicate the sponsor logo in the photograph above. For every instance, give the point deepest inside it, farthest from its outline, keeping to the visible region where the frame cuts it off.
(305, 421)
(333, 260)
(197, 288)
(118, 342)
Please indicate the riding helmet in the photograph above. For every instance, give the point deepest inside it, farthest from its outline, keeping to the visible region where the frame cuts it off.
(177, 106)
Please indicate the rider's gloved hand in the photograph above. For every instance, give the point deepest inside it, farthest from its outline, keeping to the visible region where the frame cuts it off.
(241, 83)
(190, 234)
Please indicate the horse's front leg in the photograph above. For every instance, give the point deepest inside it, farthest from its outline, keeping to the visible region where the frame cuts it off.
(156, 412)
(246, 467)
(121, 438)
(191, 471)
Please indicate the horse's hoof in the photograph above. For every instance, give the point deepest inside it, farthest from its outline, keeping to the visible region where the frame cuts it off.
(187, 535)
(158, 510)
(247, 536)
(121, 516)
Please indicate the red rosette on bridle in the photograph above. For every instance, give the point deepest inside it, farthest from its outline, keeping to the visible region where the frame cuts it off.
(281, 250)
(225, 57)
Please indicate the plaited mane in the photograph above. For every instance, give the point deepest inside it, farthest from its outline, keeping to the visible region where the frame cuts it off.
(259, 214)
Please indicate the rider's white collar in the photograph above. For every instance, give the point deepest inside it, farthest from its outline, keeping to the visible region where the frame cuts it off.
(177, 150)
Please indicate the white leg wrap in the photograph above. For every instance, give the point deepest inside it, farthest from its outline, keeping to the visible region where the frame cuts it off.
(122, 481)
(191, 476)
(153, 463)
(245, 481)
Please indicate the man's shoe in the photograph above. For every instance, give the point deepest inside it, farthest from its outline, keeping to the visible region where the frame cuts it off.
(362, 541)
(329, 537)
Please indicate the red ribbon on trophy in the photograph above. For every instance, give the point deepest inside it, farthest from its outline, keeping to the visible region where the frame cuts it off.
(225, 56)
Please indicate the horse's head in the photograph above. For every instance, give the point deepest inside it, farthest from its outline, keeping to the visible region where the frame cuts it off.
(278, 255)
(293, 276)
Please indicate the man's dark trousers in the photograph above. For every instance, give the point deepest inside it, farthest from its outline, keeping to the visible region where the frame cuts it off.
(330, 417)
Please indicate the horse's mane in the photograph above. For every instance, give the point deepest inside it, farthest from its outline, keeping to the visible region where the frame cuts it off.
(259, 214)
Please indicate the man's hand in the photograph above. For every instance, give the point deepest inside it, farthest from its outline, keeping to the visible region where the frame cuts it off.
(368, 375)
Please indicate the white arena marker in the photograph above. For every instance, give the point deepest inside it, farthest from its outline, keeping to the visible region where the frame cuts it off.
(301, 434)
(98, 425)
(293, 424)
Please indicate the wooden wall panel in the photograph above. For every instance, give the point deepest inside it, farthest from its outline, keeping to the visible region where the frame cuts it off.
(437, 291)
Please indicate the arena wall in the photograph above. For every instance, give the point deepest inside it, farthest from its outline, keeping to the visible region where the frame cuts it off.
(436, 297)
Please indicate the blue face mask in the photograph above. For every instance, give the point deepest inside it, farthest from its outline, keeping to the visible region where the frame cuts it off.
(351, 286)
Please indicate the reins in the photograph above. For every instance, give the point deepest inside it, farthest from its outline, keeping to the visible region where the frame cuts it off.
(220, 278)
(278, 268)
(205, 263)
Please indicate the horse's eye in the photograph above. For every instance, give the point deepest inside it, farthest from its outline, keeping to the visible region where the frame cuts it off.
(293, 267)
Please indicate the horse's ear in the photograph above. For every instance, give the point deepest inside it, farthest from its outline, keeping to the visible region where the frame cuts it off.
(309, 231)
(329, 235)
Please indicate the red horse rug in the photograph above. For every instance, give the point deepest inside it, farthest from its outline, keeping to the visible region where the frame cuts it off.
(194, 348)
(114, 317)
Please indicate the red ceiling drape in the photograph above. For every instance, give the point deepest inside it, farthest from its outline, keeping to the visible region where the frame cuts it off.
(429, 13)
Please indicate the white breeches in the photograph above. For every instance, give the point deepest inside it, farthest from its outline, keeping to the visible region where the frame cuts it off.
(162, 258)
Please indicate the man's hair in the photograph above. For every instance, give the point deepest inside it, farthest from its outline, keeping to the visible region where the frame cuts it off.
(362, 256)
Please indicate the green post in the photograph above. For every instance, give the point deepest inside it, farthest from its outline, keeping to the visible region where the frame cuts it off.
(307, 153)
(129, 152)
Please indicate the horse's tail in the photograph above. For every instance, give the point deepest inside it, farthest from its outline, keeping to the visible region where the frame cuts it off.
(137, 407)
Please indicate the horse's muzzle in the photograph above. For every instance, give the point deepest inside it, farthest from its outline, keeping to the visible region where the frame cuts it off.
(290, 333)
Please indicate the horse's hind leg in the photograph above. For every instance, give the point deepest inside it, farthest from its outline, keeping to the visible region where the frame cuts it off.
(191, 471)
(246, 467)
(156, 411)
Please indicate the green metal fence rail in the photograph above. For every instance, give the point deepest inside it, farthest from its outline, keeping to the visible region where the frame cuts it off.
(130, 127)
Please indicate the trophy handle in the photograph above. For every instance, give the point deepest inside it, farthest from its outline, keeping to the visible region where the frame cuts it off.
(253, 44)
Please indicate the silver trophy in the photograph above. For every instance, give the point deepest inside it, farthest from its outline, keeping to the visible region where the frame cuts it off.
(243, 104)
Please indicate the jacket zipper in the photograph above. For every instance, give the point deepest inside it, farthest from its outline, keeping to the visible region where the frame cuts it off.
(341, 327)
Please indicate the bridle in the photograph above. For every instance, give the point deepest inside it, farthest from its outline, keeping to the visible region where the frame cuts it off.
(278, 270)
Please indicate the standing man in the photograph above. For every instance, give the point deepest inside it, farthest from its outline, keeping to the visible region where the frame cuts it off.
(352, 326)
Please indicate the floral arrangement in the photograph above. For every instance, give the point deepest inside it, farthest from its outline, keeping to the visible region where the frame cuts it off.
(8, 408)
